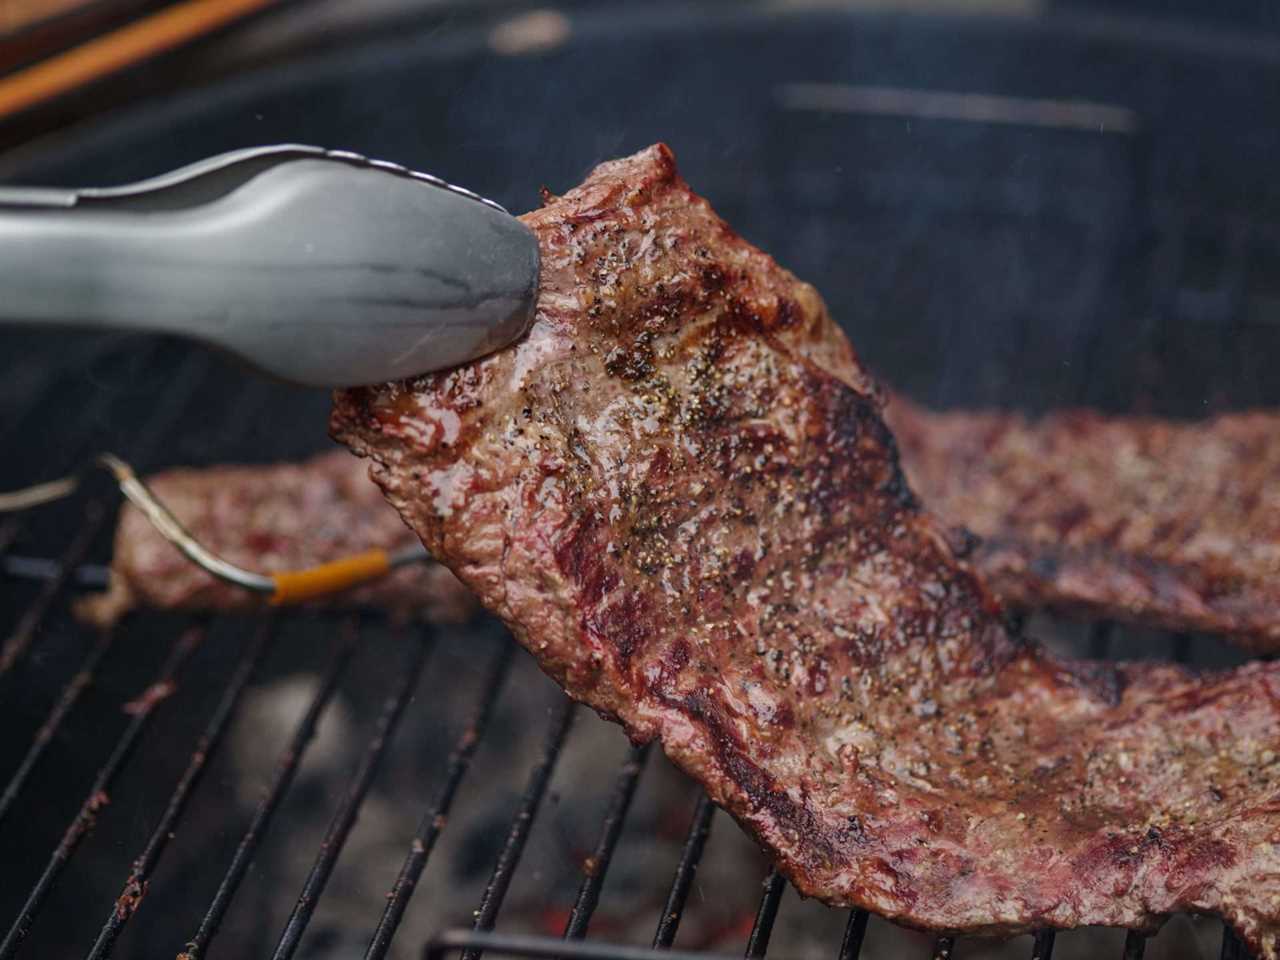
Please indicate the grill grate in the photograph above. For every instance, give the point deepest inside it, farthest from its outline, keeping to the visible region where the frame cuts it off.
(44, 735)
(345, 817)
(135, 886)
(433, 822)
(539, 779)
(99, 791)
(1125, 260)
(150, 697)
(283, 777)
(758, 943)
(624, 791)
(686, 870)
(472, 943)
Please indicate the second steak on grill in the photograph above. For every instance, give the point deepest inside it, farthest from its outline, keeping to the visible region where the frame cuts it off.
(1131, 518)
(284, 516)
(680, 494)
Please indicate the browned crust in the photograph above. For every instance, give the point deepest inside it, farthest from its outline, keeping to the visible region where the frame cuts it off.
(679, 493)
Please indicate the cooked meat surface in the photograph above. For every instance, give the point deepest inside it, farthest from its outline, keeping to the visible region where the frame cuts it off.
(1134, 518)
(679, 492)
(268, 519)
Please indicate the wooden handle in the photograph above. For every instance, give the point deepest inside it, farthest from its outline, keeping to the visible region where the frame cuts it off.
(300, 585)
(123, 47)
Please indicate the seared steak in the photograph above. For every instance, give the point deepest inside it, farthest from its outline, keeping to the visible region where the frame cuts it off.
(1133, 518)
(268, 519)
(679, 492)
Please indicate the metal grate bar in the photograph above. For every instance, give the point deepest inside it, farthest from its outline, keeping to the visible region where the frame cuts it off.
(84, 820)
(535, 790)
(286, 768)
(597, 865)
(1231, 947)
(18, 641)
(1135, 944)
(942, 948)
(758, 942)
(855, 931)
(434, 819)
(135, 887)
(550, 947)
(345, 816)
(53, 722)
(694, 843)
(1042, 945)
(179, 393)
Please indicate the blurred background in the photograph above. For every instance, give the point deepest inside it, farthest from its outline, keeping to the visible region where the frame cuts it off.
(1023, 203)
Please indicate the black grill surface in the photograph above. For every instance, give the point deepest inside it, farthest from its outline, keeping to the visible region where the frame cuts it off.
(320, 786)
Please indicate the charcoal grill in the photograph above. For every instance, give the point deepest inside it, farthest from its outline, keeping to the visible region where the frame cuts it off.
(981, 258)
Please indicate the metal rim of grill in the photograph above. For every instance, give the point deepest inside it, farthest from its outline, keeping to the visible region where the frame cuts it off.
(399, 688)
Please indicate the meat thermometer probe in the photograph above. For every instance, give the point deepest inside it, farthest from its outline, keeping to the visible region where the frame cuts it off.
(319, 267)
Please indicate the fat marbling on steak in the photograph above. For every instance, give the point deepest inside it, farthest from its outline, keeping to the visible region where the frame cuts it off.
(679, 492)
(1134, 518)
(268, 519)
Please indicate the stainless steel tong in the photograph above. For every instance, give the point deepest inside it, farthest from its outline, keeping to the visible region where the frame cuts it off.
(319, 267)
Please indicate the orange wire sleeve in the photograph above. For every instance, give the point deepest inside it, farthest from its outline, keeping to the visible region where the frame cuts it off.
(299, 585)
(118, 49)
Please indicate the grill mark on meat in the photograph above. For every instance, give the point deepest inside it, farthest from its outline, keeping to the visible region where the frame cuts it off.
(762, 791)
(578, 556)
(1136, 519)
(707, 537)
(268, 518)
(622, 624)
(1191, 865)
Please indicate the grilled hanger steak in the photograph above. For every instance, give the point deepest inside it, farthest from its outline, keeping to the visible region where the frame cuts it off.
(1133, 518)
(268, 519)
(679, 492)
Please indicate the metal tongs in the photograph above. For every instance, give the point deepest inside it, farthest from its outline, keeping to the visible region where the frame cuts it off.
(281, 587)
(319, 267)
(316, 266)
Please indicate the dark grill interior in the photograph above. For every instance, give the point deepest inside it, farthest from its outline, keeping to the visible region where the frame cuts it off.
(253, 788)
